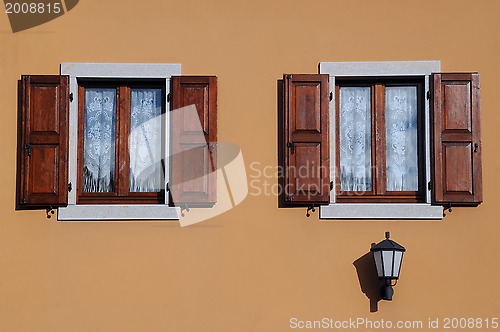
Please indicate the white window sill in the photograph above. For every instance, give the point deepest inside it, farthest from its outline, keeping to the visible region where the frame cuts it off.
(118, 212)
(380, 211)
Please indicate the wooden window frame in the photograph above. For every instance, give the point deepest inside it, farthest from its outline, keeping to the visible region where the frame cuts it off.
(381, 210)
(379, 193)
(121, 193)
(113, 71)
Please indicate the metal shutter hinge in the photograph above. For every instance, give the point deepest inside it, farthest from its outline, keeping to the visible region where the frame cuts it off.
(169, 97)
(429, 185)
(428, 94)
(27, 147)
(331, 185)
(331, 96)
(71, 97)
(70, 187)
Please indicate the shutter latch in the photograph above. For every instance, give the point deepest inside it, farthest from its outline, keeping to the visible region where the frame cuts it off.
(71, 97)
(291, 146)
(448, 208)
(331, 96)
(331, 185)
(311, 208)
(70, 187)
(428, 94)
(429, 185)
(49, 211)
(184, 207)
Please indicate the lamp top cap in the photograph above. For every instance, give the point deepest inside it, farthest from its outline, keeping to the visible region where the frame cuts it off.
(388, 244)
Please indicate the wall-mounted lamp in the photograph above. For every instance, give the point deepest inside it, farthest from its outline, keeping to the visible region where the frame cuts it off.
(388, 256)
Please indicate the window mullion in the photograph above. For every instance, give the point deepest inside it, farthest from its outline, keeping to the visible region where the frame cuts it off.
(379, 141)
(373, 139)
(122, 134)
(81, 135)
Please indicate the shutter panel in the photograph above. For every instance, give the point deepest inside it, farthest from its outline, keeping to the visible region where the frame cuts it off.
(42, 169)
(306, 155)
(457, 139)
(194, 156)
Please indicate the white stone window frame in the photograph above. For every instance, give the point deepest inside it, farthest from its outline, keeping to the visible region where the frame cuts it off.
(415, 69)
(100, 212)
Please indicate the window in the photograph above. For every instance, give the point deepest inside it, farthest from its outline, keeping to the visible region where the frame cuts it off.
(395, 140)
(379, 147)
(121, 152)
(109, 141)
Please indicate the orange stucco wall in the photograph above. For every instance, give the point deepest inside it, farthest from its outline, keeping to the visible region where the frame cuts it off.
(254, 267)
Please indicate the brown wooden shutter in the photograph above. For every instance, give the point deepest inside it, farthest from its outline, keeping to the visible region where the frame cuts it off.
(194, 156)
(457, 139)
(306, 155)
(42, 169)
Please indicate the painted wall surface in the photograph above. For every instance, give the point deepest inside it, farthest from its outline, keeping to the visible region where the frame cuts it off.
(256, 266)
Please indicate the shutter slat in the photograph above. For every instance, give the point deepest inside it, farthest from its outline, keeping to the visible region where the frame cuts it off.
(457, 139)
(194, 141)
(306, 154)
(42, 178)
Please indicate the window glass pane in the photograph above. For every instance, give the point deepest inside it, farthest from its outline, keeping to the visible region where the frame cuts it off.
(145, 142)
(99, 140)
(355, 139)
(401, 138)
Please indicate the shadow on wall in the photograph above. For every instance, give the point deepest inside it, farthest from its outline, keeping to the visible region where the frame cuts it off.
(28, 14)
(368, 279)
(281, 142)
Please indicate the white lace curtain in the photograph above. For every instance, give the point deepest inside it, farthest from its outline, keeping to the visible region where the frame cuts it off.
(401, 138)
(355, 139)
(146, 169)
(99, 140)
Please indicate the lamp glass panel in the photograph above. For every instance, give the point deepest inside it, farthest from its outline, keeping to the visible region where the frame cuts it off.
(398, 256)
(377, 255)
(387, 257)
